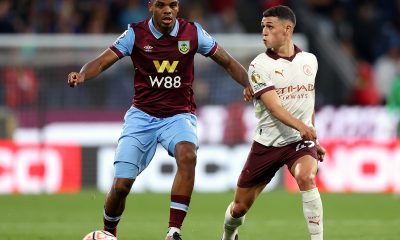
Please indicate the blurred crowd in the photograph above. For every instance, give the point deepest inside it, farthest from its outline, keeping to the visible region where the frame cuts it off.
(368, 31)
(112, 16)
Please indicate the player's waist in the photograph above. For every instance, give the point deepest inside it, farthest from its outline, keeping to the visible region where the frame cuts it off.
(164, 110)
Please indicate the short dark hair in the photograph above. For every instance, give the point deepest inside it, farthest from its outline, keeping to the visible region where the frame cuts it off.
(281, 12)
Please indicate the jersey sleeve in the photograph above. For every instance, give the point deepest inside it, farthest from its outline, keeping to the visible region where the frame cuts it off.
(207, 44)
(123, 46)
(259, 78)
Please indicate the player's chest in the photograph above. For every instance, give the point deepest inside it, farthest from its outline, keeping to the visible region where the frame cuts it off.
(286, 74)
(180, 47)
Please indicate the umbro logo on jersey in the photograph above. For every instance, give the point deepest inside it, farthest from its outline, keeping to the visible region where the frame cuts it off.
(279, 73)
(148, 48)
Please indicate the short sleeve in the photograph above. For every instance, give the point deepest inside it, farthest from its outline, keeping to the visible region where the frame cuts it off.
(207, 44)
(260, 80)
(123, 46)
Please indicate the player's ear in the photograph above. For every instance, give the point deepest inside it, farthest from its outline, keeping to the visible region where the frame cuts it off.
(150, 5)
(288, 28)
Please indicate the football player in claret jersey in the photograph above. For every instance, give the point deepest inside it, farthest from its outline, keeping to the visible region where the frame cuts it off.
(282, 79)
(162, 50)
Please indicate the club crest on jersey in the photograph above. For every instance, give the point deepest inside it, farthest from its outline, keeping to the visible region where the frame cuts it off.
(184, 46)
(307, 70)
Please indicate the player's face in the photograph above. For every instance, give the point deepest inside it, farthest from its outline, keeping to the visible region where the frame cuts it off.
(274, 32)
(164, 14)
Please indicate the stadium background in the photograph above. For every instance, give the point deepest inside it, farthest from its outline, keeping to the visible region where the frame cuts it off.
(56, 140)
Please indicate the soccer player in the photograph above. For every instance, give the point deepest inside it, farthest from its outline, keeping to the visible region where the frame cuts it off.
(282, 79)
(162, 50)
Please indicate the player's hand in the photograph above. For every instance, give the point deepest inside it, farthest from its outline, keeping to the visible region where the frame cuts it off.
(320, 153)
(308, 133)
(74, 79)
(248, 94)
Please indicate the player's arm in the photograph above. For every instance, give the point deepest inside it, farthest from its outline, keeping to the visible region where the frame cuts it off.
(231, 65)
(273, 103)
(93, 68)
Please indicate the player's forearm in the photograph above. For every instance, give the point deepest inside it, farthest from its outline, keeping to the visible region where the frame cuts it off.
(285, 117)
(91, 70)
(238, 73)
(95, 67)
(233, 67)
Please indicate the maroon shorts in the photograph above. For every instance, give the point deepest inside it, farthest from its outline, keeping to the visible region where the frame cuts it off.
(263, 162)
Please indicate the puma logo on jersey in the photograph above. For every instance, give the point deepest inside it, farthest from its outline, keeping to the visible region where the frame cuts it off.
(279, 73)
(165, 65)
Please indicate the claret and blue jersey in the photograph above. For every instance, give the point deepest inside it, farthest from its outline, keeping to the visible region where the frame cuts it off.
(164, 64)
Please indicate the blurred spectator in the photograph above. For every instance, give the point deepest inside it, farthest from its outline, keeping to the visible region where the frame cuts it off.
(365, 92)
(365, 28)
(393, 100)
(99, 19)
(265, 4)
(195, 13)
(21, 86)
(221, 5)
(387, 67)
(225, 21)
(223, 17)
(134, 11)
(6, 21)
(68, 18)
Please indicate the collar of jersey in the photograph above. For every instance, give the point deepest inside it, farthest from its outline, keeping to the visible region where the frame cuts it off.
(157, 34)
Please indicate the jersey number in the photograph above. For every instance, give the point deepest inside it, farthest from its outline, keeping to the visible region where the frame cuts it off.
(304, 144)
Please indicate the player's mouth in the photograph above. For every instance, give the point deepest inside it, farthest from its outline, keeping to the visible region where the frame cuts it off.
(166, 20)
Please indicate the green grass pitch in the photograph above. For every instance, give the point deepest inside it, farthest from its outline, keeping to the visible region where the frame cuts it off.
(275, 215)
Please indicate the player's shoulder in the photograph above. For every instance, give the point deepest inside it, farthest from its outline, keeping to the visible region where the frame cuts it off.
(307, 55)
(262, 60)
(262, 57)
(186, 23)
(141, 24)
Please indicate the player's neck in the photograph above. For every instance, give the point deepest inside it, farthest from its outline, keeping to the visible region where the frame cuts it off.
(286, 50)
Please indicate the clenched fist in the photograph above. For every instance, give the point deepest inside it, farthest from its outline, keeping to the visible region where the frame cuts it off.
(74, 79)
(308, 133)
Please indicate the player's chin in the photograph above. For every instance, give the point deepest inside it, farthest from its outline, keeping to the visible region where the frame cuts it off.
(167, 27)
